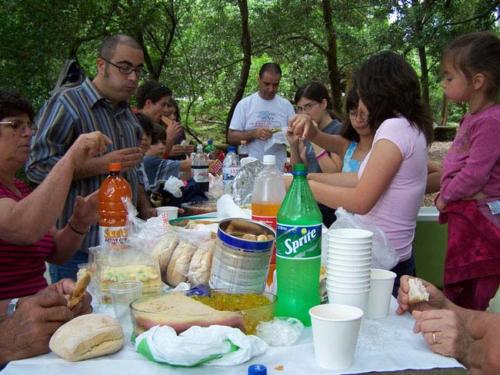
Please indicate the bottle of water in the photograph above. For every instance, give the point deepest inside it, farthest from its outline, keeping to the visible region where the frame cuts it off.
(199, 169)
(230, 169)
(210, 150)
(243, 149)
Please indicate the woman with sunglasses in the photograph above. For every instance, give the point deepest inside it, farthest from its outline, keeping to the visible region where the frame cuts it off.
(28, 237)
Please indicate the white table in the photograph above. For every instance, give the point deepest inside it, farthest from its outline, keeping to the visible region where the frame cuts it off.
(387, 344)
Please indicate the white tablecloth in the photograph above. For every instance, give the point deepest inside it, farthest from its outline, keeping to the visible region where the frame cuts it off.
(387, 344)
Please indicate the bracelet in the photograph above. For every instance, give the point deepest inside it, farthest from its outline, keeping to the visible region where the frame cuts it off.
(321, 155)
(76, 230)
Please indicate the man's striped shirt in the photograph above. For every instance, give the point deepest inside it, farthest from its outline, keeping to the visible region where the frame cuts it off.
(61, 120)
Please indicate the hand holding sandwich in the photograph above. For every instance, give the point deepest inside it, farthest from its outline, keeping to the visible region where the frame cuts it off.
(27, 332)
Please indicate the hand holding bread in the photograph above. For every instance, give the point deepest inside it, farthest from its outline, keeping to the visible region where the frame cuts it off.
(412, 292)
(79, 291)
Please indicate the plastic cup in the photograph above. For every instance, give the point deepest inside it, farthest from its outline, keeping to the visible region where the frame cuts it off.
(346, 267)
(357, 298)
(171, 212)
(335, 334)
(349, 248)
(122, 294)
(341, 257)
(351, 235)
(346, 287)
(379, 300)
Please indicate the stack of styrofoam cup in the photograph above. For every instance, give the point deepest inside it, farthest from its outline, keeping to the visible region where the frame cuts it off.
(348, 266)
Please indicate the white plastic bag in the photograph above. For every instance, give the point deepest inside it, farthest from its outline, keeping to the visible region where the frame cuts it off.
(212, 346)
(383, 254)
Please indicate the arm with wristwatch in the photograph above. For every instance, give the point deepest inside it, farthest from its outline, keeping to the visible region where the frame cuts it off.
(27, 323)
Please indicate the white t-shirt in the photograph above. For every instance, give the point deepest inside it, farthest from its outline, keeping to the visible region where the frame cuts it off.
(396, 210)
(254, 112)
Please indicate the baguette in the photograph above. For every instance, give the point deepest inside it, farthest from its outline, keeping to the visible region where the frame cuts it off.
(417, 292)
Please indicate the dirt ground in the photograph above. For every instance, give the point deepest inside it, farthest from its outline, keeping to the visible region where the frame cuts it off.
(436, 153)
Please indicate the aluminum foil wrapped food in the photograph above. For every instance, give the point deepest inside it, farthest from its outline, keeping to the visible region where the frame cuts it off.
(244, 180)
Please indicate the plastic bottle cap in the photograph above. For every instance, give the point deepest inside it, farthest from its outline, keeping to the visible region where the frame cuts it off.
(269, 160)
(114, 167)
(299, 167)
(210, 141)
(231, 149)
(257, 370)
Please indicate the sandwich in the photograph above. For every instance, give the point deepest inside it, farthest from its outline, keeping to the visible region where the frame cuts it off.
(417, 292)
(87, 336)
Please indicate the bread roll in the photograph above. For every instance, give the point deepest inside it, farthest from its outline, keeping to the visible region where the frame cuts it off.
(417, 292)
(163, 251)
(178, 266)
(87, 336)
(201, 263)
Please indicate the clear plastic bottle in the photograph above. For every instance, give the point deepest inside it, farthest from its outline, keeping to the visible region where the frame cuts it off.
(298, 250)
(210, 150)
(267, 196)
(112, 212)
(243, 149)
(199, 169)
(230, 168)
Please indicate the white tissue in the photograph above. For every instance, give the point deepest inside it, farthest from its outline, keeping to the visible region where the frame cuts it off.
(173, 186)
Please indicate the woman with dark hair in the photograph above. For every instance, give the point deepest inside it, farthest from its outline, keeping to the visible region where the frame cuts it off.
(172, 115)
(392, 177)
(314, 100)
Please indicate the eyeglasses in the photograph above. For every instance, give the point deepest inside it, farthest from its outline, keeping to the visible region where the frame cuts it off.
(306, 107)
(363, 116)
(126, 69)
(19, 126)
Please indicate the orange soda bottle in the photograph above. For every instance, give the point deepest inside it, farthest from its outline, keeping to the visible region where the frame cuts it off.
(112, 212)
(268, 193)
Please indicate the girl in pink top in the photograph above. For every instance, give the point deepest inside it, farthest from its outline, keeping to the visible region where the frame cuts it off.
(470, 185)
(391, 181)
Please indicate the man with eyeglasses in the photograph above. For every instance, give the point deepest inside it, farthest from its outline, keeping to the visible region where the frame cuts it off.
(99, 104)
(262, 118)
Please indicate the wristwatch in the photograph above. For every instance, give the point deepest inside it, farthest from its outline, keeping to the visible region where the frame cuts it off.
(11, 307)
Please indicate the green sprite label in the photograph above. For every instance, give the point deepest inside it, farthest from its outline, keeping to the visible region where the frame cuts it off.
(298, 241)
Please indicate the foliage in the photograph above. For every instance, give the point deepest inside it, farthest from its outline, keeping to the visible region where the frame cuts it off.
(195, 46)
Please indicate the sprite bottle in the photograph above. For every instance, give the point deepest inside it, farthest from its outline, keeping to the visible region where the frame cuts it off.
(298, 250)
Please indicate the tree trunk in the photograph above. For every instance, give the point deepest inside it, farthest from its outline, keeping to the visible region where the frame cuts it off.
(331, 56)
(424, 71)
(246, 45)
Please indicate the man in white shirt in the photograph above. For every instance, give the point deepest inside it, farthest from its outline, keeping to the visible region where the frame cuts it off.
(262, 118)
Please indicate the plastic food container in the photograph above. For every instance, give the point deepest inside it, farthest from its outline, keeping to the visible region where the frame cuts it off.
(240, 265)
(248, 310)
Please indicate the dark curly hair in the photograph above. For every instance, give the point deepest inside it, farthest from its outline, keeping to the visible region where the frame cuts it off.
(316, 91)
(151, 90)
(474, 53)
(389, 87)
(13, 104)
